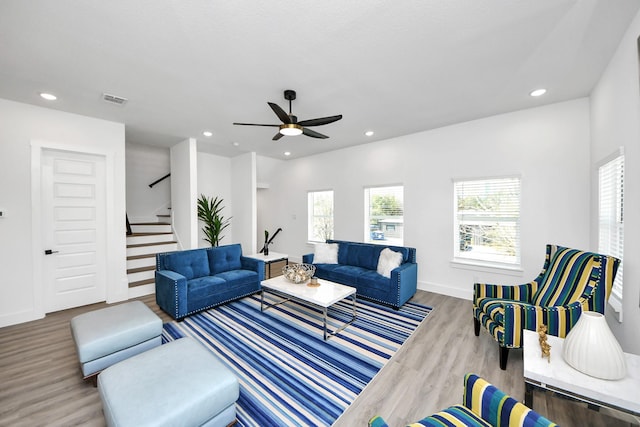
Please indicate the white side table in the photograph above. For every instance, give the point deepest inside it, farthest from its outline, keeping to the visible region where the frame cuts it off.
(270, 259)
(558, 376)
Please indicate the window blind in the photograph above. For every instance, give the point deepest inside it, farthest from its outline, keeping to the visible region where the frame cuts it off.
(487, 220)
(611, 220)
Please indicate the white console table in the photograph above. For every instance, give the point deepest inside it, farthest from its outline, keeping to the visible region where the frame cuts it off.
(558, 376)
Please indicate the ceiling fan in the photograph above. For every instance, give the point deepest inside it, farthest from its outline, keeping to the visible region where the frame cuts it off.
(290, 125)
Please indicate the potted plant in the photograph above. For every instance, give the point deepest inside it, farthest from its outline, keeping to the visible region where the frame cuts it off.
(210, 212)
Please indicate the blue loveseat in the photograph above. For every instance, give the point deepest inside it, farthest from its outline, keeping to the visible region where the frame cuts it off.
(197, 279)
(357, 266)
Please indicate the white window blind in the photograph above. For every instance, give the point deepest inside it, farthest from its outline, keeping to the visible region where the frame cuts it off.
(384, 215)
(487, 221)
(611, 219)
(320, 216)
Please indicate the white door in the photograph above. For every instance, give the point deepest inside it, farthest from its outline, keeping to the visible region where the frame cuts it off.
(73, 191)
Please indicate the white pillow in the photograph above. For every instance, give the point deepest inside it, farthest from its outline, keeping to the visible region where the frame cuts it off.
(387, 261)
(325, 253)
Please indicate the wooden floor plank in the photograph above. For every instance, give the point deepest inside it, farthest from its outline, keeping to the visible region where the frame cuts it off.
(41, 384)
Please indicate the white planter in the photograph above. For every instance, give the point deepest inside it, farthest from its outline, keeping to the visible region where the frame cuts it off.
(591, 348)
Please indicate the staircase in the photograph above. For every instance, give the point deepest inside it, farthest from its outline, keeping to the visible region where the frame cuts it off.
(147, 239)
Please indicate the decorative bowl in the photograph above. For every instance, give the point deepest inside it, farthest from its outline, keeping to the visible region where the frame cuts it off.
(298, 273)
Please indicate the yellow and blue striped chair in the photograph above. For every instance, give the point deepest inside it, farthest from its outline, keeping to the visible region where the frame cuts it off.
(483, 405)
(571, 281)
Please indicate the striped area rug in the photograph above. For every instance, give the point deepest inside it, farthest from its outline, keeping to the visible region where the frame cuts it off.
(288, 374)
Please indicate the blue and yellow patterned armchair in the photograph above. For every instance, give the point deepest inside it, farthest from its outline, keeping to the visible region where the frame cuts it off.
(571, 281)
(483, 404)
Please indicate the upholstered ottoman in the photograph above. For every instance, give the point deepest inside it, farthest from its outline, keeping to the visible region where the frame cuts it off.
(177, 384)
(106, 336)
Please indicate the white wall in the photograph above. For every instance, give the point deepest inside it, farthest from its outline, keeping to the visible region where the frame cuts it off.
(184, 193)
(615, 122)
(266, 167)
(547, 146)
(214, 180)
(243, 190)
(146, 164)
(21, 123)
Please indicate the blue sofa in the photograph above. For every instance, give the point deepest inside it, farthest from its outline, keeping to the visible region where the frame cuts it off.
(197, 279)
(357, 267)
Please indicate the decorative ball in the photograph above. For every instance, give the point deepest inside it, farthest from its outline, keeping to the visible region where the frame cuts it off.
(298, 273)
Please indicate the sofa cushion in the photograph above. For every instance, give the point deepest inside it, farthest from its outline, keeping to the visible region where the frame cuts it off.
(224, 258)
(238, 277)
(325, 253)
(387, 261)
(363, 255)
(371, 279)
(345, 274)
(203, 286)
(191, 264)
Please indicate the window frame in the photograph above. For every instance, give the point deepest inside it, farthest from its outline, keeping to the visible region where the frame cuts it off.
(487, 261)
(398, 226)
(311, 216)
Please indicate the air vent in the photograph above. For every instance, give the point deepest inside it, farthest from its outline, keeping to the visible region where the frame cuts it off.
(114, 99)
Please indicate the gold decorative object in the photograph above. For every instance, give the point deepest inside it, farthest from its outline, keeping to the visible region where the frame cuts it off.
(545, 347)
(314, 282)
(298, 273)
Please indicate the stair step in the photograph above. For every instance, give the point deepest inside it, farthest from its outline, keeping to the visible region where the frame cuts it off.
(151, 248)
(140, 238)
(139, 261)
(141, 269)
(141, 282)
(151, 227)
(139, 245)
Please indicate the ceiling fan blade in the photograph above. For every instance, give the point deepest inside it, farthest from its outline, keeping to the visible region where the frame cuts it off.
(277, 136)
(320, 121)
(256, 124)
(313, 134)
(282, 115)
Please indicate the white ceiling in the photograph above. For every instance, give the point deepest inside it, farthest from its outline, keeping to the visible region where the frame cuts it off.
(395, 67)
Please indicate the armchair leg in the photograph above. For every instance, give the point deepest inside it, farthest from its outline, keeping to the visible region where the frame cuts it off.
(476, 326)
(504, 355)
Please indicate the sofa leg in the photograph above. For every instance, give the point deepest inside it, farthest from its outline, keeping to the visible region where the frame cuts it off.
(504, 355)
(476, 326)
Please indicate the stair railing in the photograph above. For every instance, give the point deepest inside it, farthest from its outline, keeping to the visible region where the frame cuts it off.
(158, 180)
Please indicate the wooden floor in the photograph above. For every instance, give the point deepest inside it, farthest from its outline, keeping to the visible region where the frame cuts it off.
(41, 385)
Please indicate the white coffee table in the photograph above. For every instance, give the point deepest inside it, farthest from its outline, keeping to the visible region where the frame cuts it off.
(323, 296)
(558, 376)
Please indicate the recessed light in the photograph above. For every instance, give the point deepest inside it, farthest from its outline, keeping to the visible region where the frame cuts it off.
(287, 153)
(48, 96)
(235, 144)
(538, 92)
(207, 133)
(369, 133)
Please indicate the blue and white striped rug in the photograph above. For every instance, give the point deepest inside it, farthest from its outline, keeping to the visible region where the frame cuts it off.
(288, 374)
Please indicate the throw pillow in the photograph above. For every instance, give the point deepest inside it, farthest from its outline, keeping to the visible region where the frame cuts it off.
(387, 261)
(325, 253)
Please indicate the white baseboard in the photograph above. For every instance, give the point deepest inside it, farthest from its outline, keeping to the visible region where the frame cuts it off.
(446, 290)
(20, 317)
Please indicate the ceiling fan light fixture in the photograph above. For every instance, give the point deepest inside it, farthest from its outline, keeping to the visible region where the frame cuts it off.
(291, 129)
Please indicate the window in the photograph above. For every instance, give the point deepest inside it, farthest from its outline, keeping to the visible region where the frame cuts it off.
(487, 221)
(320, 214)
(611, 219)
(384, 215)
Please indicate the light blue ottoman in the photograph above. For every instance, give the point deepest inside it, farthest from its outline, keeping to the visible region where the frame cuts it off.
(107, 336)
(180, 383)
